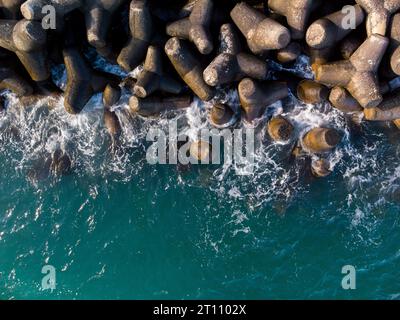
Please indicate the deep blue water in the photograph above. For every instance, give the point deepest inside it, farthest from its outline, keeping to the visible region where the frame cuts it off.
(118, 227)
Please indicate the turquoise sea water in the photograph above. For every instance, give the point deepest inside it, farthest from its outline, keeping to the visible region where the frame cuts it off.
(117, 227)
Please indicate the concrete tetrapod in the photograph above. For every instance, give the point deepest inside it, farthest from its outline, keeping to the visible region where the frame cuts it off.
(358, 74)
(297, 13)
(196, 27)
(153, 78)
(329, 30)
(379, 13)
(256, 96)
(27, 40)
(187, 66)
(82, 81)
(262, 33)
(232, 64)
(141, 28)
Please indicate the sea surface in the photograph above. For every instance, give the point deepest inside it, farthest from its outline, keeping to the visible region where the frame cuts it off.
(117, 227)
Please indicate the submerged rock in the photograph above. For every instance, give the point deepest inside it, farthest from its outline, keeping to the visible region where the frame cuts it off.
(56, 164)
(61, 163)
(320, 168)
